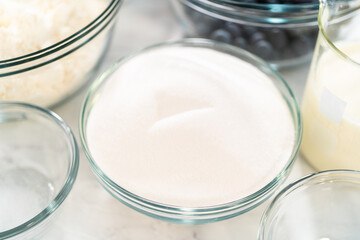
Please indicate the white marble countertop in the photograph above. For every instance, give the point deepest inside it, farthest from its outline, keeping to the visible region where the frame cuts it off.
(90, 212)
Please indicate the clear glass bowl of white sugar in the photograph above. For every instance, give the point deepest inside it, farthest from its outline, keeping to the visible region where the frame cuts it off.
(191, 132)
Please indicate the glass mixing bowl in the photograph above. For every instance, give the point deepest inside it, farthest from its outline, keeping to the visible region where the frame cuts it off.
(39, 161)
(51, 74)
(322, 206)
(282, 34)
(183, 214)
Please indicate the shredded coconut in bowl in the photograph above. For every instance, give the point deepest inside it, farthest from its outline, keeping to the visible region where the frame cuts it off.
(27, 26)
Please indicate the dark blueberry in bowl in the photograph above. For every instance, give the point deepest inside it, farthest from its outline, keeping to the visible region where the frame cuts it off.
(221, 35)
(257, 36)
(240, 42)
(233, 28)
(249, 30)
(262, 49)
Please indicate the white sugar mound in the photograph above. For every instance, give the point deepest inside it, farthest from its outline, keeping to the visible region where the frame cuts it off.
(190, 127)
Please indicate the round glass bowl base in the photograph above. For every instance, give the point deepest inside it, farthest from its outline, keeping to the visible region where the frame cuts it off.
(21, 188)
(38, 165)
(322, 206)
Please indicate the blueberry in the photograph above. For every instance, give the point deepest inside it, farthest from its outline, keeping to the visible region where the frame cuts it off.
(257, 36)
(221, 35)
(240, 42)
(249, 30)
(278, 38)
(262, 49)
(232, 28)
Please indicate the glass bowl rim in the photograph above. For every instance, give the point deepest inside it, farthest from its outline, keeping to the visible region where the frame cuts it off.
(71, 175)
(70, 40)
(285, 16)
(258, 14)
(262, 6)
(194, 42)
(333, 47)
(296, 186)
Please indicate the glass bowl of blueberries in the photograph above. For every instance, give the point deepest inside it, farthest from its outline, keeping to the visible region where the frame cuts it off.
(282, 32)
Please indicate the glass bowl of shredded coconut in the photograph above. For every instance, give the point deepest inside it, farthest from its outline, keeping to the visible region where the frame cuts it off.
(50, 49)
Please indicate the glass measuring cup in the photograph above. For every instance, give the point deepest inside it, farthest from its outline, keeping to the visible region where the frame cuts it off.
(331, 105)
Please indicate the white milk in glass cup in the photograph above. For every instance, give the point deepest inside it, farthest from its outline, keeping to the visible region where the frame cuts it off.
(331, 105)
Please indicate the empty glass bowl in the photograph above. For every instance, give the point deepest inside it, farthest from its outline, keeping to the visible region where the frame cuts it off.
(283, 34)
(69, 48)
(321, 206)
(39, 161)
(183, 214)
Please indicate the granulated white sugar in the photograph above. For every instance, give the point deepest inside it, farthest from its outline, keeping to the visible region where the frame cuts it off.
(190, 127)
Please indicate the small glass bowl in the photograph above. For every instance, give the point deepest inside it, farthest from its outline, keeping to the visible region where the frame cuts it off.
(183, 214)
(39, 161)
(53, 74)
(282, 34)
(322, 206)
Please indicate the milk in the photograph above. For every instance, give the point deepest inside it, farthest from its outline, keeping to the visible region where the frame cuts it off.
(331, 111)
(191, 127)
